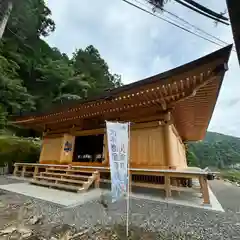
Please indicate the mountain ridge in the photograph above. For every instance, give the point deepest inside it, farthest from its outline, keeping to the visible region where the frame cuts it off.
(216, 150)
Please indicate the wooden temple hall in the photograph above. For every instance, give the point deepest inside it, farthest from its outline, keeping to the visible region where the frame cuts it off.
(165, 111)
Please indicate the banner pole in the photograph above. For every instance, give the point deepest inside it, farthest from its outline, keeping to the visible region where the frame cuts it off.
(128, 190)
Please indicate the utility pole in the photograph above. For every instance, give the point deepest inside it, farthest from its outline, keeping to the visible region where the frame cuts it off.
(5, 11)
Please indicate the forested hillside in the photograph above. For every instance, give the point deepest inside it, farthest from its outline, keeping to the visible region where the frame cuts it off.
(34, 75)
(216, 150)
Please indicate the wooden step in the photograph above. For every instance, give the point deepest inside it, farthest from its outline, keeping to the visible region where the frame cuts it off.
(64, 175)
(57, 185)
(69, 170)
(81, 171)
(60, 179)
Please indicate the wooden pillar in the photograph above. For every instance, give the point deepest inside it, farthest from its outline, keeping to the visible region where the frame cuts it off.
(204, 187)
(97, 180)
(105, 150)
(168, 192)
(167, 142)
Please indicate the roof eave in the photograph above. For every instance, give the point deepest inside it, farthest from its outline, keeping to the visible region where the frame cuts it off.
(234, 13)
(222, 53)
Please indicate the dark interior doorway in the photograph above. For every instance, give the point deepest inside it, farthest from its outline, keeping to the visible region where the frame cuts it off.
(88, 148)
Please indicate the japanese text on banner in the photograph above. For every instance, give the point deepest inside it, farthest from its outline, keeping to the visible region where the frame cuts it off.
(117, 134)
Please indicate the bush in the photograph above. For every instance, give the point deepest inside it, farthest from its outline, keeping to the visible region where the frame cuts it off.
(15, 149)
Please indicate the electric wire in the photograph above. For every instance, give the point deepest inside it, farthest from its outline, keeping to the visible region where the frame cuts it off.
(200, 12)
(185, 21)
(172, 23)
(205, 9)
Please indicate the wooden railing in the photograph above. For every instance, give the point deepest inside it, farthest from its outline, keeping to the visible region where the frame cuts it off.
(171, 177)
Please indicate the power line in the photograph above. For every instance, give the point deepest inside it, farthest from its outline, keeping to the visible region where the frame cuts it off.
(205, 9)
(202, 13)
(194, 26)
(154, 11)
(172, 23)
(185, 21)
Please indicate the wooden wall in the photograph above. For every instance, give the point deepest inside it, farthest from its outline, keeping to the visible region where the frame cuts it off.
(151, 146)
(147, 147)
(51, 150)
(177, 148)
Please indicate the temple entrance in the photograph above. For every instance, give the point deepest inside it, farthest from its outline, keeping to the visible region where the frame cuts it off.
(89, 149)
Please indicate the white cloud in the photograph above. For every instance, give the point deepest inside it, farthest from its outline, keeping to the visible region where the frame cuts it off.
(160, 64)
(137, 45)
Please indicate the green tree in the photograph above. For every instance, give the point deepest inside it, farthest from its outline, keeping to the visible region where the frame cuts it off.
(93, 69)
(30, 19)
(34, 76)
(13, 95)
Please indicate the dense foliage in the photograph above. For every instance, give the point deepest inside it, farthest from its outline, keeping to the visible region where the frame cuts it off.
(217, 150)
(34, 75)
(16, 149)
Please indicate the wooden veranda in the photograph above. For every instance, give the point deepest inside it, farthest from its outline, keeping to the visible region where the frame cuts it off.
(63, 176)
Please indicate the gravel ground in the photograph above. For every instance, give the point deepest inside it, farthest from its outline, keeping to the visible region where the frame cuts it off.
(149, 219)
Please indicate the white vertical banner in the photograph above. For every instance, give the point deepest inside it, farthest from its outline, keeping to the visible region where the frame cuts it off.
(118, 148)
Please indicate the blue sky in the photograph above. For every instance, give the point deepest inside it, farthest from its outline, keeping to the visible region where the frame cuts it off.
(137, 45)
